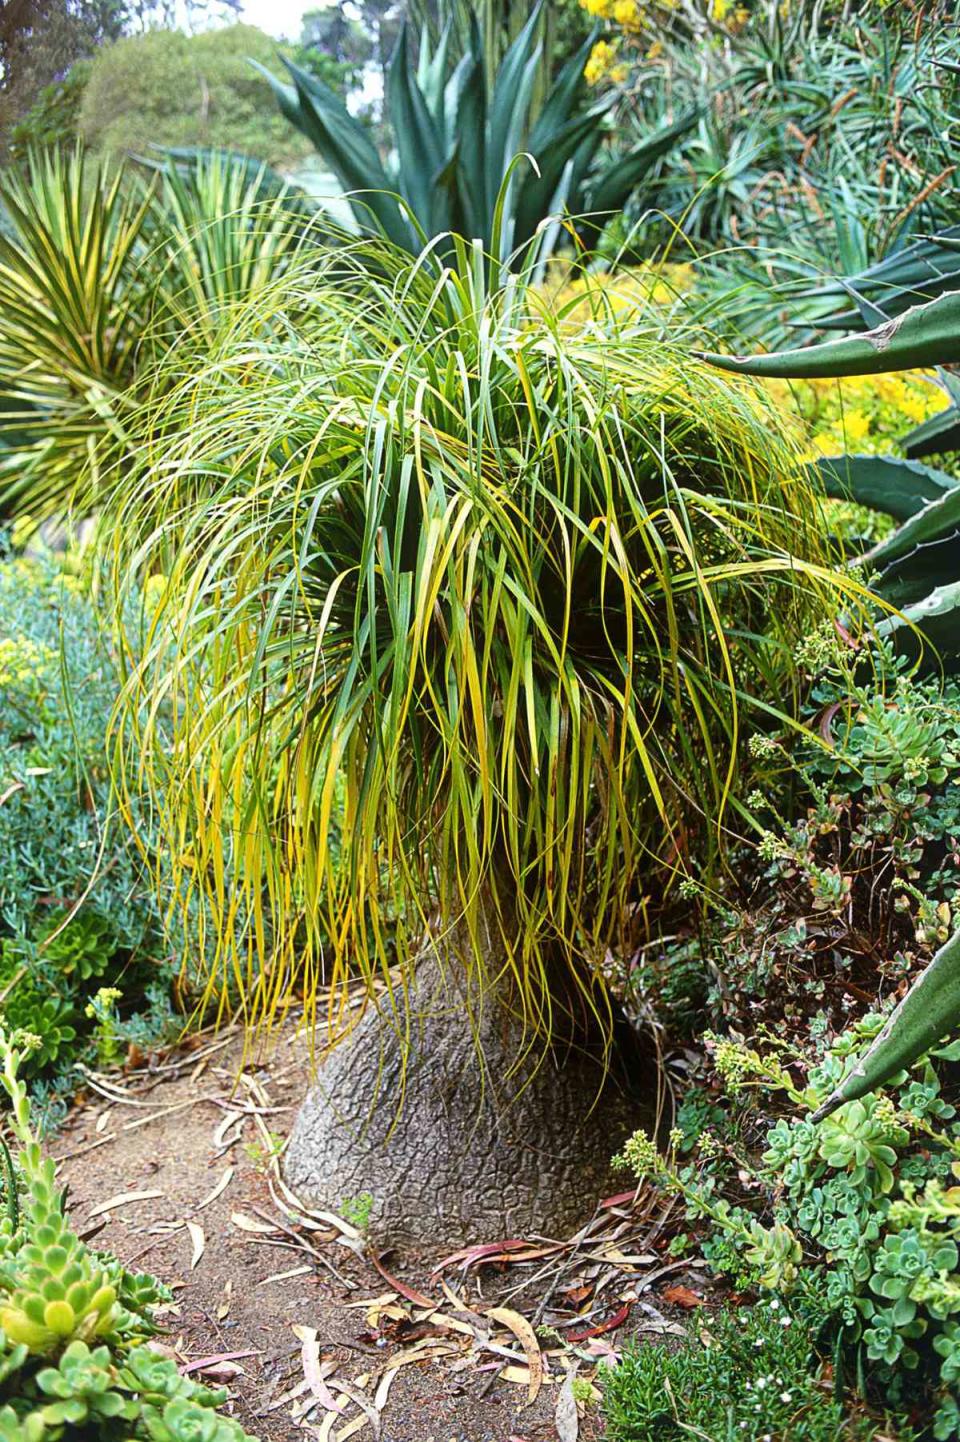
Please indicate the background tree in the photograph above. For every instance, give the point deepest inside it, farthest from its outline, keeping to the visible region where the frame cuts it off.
(168, 88)
(41, 39)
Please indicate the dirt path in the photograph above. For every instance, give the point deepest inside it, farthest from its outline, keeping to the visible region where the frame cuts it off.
(313, 1338)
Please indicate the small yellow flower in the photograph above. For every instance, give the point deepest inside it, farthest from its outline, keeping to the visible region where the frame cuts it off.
(601, 62)
(601, 8)
(856, 426)
(628, 14)
(655, 51)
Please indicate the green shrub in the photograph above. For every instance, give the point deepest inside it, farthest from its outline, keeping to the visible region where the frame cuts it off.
(76, 908)
(751, 1375)
(54, 117)
(858, 1211)
(167, 88)
(74, 1356)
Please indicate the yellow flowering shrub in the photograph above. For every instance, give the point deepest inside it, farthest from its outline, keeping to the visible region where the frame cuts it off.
(27, 667)
(642, 22)
(865, 414)
(624, 290)
(603, 64)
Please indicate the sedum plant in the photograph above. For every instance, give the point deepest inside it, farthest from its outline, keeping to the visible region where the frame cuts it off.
(471, 157)
(865, 1198)
(75, 1359)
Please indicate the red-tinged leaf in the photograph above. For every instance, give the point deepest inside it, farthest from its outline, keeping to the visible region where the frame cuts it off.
(620, 1200)
(411, 1294)
(681, 1296)
(826, 722)
(467, 1256)
(578, 1294)
(610, 1325)
(202, 1364)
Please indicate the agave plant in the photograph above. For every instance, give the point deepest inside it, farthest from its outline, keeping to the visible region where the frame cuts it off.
(926, 547)
(97, 273)
(457, 138)
(918, 566)
(483, 588)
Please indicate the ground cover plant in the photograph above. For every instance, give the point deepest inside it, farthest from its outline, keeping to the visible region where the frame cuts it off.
(84, 963)
(848, 1216)
(752, 1373)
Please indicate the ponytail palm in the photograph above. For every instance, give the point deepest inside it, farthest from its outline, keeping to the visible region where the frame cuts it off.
(471, 590)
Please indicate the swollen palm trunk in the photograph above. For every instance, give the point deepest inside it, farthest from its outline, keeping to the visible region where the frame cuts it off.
(433, 1112)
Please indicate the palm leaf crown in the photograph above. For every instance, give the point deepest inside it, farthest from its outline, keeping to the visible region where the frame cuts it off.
(460, 599)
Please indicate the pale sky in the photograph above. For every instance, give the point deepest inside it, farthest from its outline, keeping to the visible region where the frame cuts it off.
(280, 18)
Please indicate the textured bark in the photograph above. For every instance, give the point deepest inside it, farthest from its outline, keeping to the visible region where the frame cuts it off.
(449, 1146)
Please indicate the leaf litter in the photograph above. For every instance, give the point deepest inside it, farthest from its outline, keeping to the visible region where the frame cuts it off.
(529, 1314)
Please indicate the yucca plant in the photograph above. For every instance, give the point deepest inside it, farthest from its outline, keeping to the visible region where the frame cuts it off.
(70, 318)
(98, 272)
(478, 591)
(457, 139)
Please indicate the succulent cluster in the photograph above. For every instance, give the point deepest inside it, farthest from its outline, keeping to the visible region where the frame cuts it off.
(860, 1210)
(75, 1360)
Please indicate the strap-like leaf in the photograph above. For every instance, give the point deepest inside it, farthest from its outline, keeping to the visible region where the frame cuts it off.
(612, 187)
(346, 148)
(510, 100)
(935, 436)
(926, 335)
(418, 139)
(885, 483)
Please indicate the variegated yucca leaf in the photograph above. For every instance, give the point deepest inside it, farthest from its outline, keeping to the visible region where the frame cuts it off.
(99, 272)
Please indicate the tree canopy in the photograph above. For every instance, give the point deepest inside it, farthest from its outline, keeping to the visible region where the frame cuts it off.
(168, 88)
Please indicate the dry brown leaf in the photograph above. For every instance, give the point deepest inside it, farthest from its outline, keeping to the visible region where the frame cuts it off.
(221, 1187)
(566, 1418)
(203, 1364)
(102, 1121)
(369, 1413)
(527, 1338)
(199, 1242)
(224, 1306)
(284, 1276)
(681, 1296)
(248, 1224)
(124, 1199)
(224, 1126)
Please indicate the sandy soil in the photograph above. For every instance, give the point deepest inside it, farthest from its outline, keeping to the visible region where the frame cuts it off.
(314, 1337)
